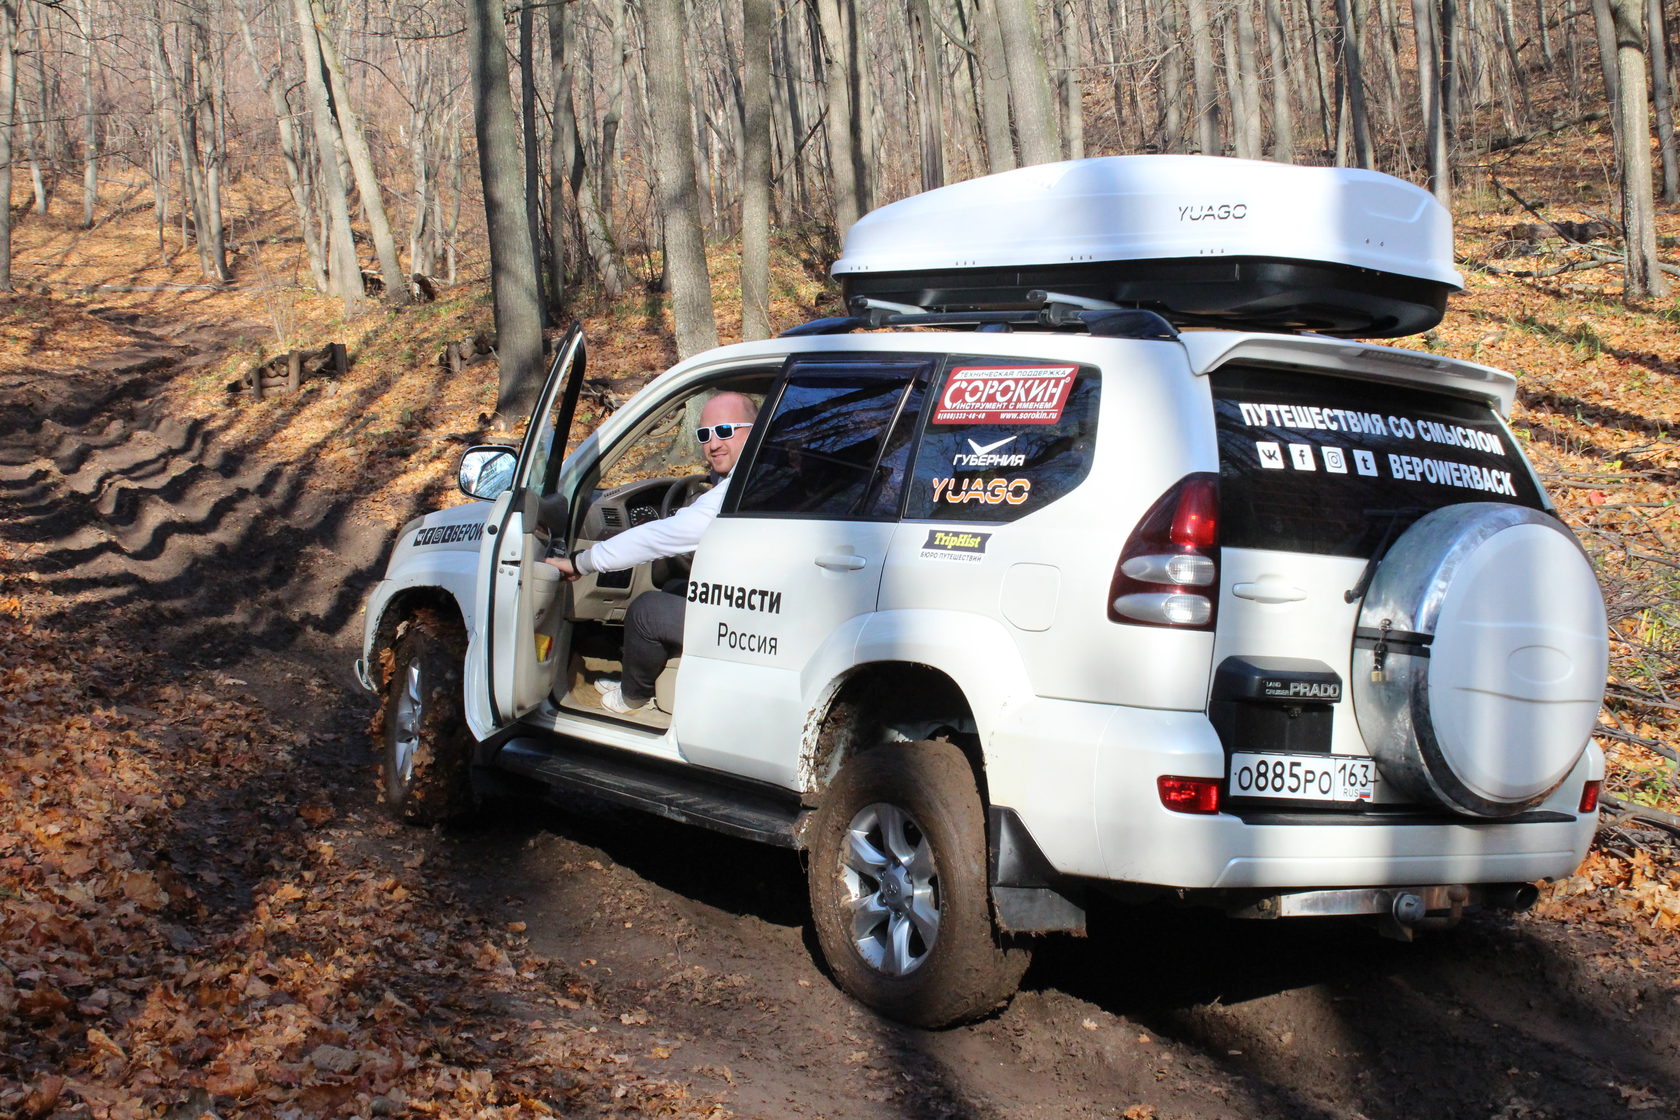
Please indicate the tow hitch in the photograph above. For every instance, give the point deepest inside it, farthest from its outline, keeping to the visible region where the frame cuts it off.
(1399, 912)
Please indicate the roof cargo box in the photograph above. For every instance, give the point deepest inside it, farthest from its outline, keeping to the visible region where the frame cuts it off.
(1203, 240)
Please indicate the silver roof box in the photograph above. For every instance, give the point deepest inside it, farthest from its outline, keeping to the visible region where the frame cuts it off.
(1203, 240)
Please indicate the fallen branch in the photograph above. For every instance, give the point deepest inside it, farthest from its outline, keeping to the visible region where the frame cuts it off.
(1627, 810)
(1535, 273)
(1606, 732)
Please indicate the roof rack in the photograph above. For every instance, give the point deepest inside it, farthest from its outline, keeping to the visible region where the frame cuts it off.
(1057, 312)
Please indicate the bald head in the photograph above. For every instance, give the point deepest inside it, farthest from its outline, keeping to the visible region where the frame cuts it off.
(728, 409)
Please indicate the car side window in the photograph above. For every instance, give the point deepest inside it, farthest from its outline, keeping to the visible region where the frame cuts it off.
(837, 441)
(1004, 438)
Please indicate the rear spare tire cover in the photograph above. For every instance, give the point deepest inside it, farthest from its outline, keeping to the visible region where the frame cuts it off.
(1492, 639)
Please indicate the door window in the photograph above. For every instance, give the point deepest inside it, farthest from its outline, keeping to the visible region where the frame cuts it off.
(837, 442)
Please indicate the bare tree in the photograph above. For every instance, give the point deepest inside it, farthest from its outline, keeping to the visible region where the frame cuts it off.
(848, 192)
(1643, 272)
(344, 270)
(678, 194)
(1030, 95)
(90, 112)
(1283, 113)
(361, 160)
(513, 269)
(8, 110)
(270, 80)
(756, 17)
(1203, 80)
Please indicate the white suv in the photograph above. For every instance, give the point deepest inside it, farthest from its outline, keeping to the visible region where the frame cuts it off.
(1031, 583)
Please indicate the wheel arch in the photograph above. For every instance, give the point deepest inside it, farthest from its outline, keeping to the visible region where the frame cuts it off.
(879, 703)
(398, 608)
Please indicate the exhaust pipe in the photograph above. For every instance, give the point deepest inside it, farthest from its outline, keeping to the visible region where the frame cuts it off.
(1510, 896)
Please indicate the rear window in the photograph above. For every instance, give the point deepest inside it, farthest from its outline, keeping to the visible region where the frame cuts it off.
(1003, 438)
(1309, 463)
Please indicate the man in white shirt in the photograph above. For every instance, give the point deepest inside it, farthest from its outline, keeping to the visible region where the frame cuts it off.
(653, 625)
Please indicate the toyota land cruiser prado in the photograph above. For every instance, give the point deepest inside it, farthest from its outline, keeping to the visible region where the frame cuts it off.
(1090, 553)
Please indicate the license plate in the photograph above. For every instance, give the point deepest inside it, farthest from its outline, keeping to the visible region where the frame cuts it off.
(1303, 777)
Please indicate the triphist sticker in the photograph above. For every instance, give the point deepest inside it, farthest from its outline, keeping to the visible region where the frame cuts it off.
(1004, 394)
(955, 544)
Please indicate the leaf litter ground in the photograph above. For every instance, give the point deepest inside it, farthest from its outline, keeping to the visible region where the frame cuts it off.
(193, 914)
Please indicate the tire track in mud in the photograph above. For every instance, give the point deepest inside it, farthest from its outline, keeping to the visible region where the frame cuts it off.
(699, 946)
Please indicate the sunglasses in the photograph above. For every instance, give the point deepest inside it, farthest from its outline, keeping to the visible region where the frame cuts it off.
(724, 431)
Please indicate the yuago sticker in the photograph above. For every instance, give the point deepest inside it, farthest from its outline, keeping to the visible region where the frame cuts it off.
(1004, 394)
(997, 492)
(947, 544)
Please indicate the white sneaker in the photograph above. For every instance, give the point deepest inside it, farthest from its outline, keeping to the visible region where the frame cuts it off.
(612, 700)
(604, 685)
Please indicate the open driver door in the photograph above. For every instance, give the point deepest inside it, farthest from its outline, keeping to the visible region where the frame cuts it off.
(522, 601)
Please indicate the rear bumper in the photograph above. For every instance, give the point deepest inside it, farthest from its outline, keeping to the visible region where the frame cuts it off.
(1042, 760)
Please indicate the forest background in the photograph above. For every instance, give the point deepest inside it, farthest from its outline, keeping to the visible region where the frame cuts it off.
(440, 186)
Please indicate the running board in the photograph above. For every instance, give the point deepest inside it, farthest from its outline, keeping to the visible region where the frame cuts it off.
(675, 792)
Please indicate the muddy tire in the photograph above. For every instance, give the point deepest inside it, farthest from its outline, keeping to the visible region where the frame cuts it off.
(425, 749)
(899, 892)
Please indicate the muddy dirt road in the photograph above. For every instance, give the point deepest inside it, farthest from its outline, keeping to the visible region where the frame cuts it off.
(692, 952)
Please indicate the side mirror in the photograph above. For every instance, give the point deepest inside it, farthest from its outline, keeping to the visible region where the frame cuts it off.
(487, 471)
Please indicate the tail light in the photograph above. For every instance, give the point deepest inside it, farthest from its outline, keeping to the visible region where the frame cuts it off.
(1168, 574)
(1188, 795)
(1589, 798)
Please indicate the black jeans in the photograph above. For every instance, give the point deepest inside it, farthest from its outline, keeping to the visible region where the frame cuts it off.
(653, 633)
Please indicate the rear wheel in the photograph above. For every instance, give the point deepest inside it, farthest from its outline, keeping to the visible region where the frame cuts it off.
(899, 889)
(424, 746)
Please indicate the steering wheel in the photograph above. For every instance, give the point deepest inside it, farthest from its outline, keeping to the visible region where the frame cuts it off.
(681, 492)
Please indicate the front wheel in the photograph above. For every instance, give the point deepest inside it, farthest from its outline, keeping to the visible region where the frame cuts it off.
(425, 748)
(899, 888)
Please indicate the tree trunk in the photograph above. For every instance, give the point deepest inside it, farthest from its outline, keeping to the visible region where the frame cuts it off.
(1242, 56)
(90, 114)
(344, 270)
(837, 126)
(560, 146)
(1030, 93)
(513, 270)
(1605, 30)
(533, 158)
(756, 17)
(1206, 85)
(1172, 80)
(678, 195)
(993, 84)
(1427, 35)
(930, 101)
(361, 160)
(8, 110)
(1283, 115)
(1347, 35)
(1644, 278)
(1066, 30)
(1662, 101)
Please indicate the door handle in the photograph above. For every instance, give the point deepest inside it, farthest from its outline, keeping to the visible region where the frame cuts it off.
(1270, 589)
(841, 561)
